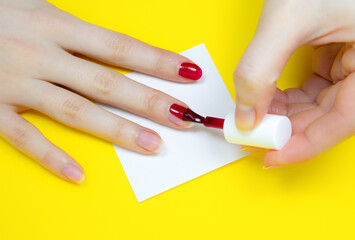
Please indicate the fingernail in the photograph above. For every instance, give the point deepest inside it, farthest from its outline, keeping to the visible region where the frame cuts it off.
(251, 149)
(190, 71)
(245, 149)
(272, 166)
(148, 141)
(245, 117)
(73, 173)
(175, 116)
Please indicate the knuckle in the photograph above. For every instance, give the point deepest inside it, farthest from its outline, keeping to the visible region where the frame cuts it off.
(253, 75)
(251, 86)
(105, 82)
(119, 45)
(47, 20)
(41, 16)
(73, 108)
(118, 132)
(26, 50)
(162, 61)
(321, 95)
(245, 79)
(46, 159)
(152, 101)
(20, 136)
(273, 109)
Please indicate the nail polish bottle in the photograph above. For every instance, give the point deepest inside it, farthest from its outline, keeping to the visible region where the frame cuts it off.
(272, 133)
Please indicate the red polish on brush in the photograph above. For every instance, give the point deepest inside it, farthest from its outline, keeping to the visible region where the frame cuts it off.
(272, 133)
(187, 114)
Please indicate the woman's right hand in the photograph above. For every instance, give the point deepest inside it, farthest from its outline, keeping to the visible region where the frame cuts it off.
(322, 111)
(38, 70)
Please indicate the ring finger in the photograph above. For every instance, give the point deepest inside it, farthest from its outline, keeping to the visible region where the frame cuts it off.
(78, 112)
(113, 88)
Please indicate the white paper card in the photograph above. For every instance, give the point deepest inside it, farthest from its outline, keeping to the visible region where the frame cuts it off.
(189, 153)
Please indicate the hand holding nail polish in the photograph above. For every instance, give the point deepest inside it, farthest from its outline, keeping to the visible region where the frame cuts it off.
(272, 133)
(322, 110)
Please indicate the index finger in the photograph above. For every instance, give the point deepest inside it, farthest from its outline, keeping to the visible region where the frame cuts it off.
(122, 50)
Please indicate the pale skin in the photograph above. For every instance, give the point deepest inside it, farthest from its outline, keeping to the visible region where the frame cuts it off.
(39, 70)
(322, 111)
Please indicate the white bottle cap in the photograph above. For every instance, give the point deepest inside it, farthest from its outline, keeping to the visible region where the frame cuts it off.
(272, 133)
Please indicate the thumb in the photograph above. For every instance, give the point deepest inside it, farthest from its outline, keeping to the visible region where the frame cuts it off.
(277, 37)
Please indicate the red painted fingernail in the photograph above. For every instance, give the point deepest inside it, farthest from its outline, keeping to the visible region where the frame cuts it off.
(176, 116)
(177, 110)
(190, 71)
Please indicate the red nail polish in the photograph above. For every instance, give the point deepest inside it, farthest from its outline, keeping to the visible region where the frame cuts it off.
(214, 122)
(187, 114)
(177, 111)
(190, 71)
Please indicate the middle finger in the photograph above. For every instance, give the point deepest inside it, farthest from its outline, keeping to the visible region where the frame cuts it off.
(113, 88)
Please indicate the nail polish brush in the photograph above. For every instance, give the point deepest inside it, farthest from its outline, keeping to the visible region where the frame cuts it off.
(273, 132)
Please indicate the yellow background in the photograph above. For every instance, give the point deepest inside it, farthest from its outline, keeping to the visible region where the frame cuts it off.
(314, 200)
